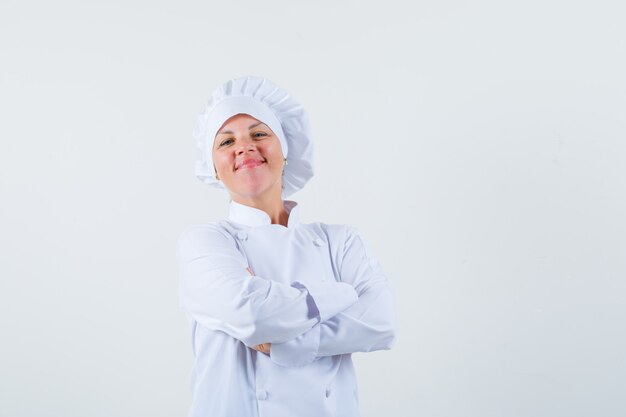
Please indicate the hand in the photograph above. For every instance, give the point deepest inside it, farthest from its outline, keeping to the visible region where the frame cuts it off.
(263, 348)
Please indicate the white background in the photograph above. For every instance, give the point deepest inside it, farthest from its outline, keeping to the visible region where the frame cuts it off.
(478, 146)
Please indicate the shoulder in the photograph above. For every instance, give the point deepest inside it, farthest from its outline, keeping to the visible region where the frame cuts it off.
(198, 236)
(203, 230)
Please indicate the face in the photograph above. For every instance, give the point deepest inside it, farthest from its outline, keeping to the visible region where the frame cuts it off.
(248, 158)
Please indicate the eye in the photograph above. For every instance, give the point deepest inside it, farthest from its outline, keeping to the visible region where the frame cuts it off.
(225, 142)
(259, 134)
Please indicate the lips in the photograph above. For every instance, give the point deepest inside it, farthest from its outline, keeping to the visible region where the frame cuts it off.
(249, 163)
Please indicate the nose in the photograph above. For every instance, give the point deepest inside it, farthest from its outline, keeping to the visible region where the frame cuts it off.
(246, 146)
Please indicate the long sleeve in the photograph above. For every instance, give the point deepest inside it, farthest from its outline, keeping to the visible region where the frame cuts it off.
(217, 291)
(367, 325)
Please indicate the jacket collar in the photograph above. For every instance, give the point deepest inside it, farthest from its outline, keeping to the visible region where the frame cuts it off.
(254, 217)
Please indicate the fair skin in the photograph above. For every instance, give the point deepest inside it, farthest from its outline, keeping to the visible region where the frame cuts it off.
(249, 161)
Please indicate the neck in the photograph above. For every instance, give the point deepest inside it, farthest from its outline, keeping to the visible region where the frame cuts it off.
(272, 204)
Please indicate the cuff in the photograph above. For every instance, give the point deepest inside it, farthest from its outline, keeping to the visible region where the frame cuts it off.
(299, 351)
(330, 298)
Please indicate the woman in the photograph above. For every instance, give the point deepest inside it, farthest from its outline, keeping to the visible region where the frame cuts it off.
(276, 306)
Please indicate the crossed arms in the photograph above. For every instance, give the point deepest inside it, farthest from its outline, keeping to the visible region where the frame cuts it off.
(300, 322)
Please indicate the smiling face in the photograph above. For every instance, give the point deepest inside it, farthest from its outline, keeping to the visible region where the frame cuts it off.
(248, 158)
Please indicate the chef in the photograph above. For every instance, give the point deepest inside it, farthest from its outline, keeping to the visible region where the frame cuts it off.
(276, 306)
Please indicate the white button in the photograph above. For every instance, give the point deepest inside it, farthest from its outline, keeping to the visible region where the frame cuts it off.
(261, 394)
(318, 242)
(242, 235)
(327, 392)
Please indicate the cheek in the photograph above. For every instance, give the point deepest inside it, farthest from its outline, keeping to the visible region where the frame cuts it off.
(220, 160)
(273, 151)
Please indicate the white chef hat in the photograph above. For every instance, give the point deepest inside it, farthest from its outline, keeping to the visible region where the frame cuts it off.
(266, 102)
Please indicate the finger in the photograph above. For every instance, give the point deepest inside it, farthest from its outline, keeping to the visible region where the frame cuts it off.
(259, 348)
(263, 348)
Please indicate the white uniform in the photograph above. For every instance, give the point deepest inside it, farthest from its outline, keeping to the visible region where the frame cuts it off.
(317, 295)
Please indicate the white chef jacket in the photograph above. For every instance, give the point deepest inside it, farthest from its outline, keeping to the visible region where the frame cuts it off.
(317, 295)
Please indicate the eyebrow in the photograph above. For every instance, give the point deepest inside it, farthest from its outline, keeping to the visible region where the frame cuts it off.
(249, 127)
